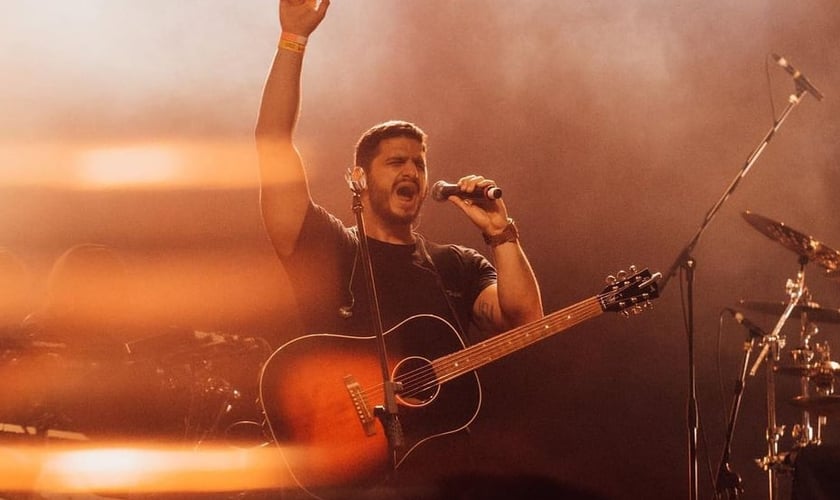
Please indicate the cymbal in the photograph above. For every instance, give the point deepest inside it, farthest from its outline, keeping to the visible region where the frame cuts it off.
(801, 244)
(819, 405)
(814, 312)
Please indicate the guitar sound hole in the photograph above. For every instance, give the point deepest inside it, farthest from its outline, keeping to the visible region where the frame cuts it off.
(419, 383)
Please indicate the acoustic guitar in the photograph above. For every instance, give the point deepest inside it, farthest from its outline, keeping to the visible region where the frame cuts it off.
(321, 393)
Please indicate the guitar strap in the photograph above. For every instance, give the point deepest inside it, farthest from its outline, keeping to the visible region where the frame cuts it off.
(424, 260)
(428, 257)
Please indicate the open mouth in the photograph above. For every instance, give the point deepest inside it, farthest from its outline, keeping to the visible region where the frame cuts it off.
(407, 191)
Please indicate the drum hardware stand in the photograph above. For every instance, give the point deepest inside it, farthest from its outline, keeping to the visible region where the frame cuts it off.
(803, 433)
(205, 388)
(387, 413)
(774, 462)
(823, 380)
(686, 262)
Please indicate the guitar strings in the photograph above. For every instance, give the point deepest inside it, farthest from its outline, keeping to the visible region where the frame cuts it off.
(429, 376)
(458, 363)
(451, 366)
(572, 315)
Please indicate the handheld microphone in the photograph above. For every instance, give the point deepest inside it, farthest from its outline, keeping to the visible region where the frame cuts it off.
(798, 77)
(749, 325)
(442, 190)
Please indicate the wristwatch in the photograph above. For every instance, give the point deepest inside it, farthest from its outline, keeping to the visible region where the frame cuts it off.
(509, 233)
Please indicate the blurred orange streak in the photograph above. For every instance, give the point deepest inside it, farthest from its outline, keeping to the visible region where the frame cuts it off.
(142, 165)
(140, 469)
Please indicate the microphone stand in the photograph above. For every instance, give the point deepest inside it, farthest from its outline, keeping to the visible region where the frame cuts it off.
(388, 412)
(727, 480)
(686, 261)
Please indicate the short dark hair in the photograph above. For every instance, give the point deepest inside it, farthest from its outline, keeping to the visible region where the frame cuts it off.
(368, 145)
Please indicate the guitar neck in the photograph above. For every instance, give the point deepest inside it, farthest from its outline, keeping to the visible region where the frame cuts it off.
(453, 365)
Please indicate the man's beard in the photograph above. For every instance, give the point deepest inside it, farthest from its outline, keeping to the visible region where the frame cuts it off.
(380, 201)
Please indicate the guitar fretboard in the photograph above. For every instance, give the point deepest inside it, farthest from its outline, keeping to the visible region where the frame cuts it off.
(453, 365)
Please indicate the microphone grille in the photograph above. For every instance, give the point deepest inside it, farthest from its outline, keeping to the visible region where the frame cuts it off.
(437, 191)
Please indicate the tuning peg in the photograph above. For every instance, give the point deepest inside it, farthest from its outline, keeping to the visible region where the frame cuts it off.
(622, 275)
(639, 308)
(633, 269)
(610, 280)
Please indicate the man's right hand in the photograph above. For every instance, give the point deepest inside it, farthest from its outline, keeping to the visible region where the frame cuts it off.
(301, 17)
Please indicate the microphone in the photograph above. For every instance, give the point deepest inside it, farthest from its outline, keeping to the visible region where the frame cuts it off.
(442, 190)
(798, 77)
(746, 323)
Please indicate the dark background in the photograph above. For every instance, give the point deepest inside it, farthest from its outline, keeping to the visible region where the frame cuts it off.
(613, 128)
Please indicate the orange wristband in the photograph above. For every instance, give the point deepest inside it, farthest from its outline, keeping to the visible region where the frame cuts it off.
(292, 42)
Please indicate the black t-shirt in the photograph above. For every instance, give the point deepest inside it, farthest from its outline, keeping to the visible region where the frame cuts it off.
(327, 274)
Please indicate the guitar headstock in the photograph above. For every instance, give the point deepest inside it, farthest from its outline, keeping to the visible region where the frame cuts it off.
(630, 292)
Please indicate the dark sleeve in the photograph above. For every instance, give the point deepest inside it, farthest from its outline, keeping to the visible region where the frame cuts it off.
(464, 273)
(479, 273)
(316, 268)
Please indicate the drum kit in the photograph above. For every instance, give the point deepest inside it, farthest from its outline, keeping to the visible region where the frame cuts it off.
(215, 374)
(183, 385)
(809, 360)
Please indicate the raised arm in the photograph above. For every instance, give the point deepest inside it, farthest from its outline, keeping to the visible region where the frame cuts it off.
(284, 193)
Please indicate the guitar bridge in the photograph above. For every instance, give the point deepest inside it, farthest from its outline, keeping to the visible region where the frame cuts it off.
(362, 410)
